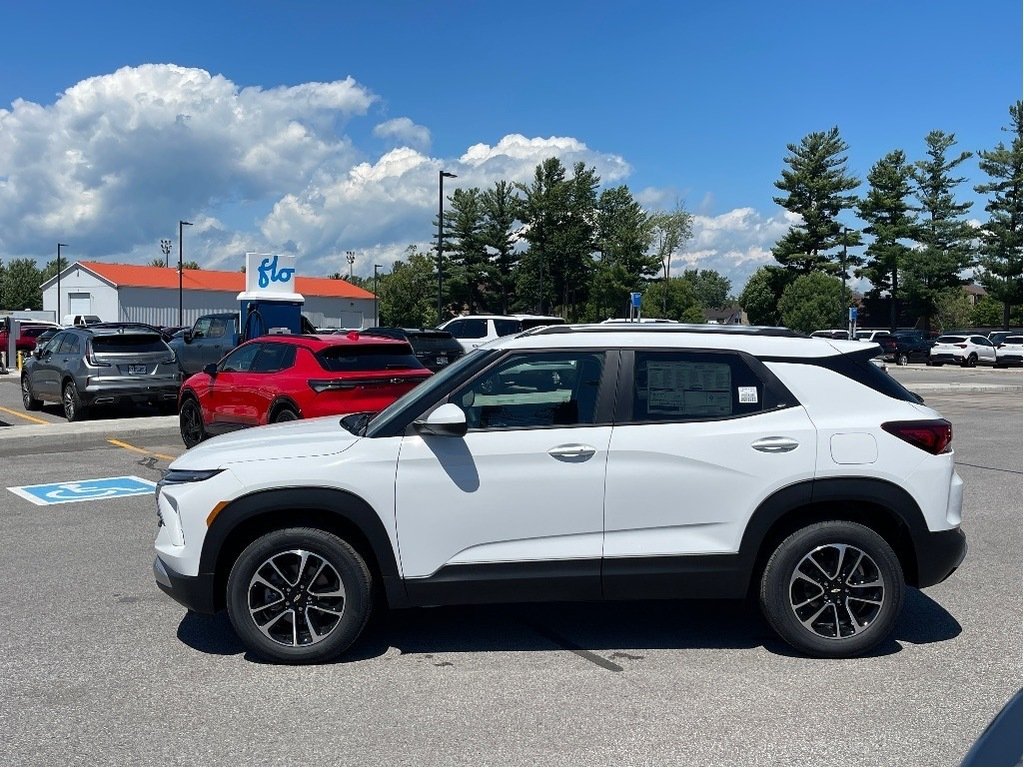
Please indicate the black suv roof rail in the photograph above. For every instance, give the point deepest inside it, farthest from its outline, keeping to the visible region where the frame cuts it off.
(739, 330)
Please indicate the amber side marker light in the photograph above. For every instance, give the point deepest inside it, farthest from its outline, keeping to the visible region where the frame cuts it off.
(932, 435)
(214, 512)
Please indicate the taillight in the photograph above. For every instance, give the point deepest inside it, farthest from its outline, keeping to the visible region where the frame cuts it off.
(961, 346)
(90, 357)
(934, 435)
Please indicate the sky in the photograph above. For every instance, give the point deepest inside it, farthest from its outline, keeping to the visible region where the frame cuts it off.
(318, 128)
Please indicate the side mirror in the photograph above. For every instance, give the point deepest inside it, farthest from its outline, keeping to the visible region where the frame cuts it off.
(447, 420)
(187, 336)
(210, 369)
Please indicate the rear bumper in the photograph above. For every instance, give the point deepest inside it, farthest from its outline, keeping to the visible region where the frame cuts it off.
(99, 392)
(938, 555)
(193, 592)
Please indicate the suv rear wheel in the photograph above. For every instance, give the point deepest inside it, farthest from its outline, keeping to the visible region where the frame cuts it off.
(299, 595)
(833, 589)
(73, 408)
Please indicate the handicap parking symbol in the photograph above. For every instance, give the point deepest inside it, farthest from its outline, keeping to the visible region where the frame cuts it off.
(95, 489)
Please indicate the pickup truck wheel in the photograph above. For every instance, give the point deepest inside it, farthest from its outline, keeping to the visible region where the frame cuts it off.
(833, 589)
(298, 595)
(190, 422)
(73, 408)
(31, 404)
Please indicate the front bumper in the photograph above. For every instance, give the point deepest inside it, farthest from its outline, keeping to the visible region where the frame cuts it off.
(193, 592)
(938, 555)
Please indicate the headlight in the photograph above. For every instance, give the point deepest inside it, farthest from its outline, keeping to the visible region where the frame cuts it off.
(178, 476)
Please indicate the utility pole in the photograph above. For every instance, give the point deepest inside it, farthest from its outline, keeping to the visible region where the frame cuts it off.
(59, 246)
(441, 176)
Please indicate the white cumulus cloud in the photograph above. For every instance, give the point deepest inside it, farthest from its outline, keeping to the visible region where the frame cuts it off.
(404, 130)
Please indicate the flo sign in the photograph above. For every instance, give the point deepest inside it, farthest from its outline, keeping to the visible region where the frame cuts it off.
(271, 275)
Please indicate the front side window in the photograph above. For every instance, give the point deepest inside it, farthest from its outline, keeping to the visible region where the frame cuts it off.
(218, 328)
(202, 327)
(694, 386)
(556, 389)
(469, 329)
(239, 360)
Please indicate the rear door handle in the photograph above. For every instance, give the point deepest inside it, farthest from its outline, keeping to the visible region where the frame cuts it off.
(775, 444)
(571, 452)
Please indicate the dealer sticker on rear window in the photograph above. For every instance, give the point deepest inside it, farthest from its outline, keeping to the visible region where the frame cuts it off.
(747, 394)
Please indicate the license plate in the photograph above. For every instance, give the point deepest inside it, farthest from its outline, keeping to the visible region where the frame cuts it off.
(442, 360)
(138, 369)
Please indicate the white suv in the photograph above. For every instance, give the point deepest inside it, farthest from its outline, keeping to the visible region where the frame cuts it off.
(473, 331)
(580, 463)
(965, 349)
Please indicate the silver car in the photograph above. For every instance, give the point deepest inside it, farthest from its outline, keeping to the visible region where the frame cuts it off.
(107, 364)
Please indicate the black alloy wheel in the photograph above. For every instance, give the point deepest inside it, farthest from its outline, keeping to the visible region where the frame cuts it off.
(284, 414)
(190, 422)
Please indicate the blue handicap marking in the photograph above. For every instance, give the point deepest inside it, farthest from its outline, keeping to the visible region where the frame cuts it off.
(46, 494)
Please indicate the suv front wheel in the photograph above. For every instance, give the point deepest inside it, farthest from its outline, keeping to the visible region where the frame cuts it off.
(833, 589)
(298, 595)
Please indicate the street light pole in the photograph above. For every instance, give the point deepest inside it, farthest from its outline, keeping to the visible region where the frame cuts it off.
(181, 311)
(59, 246)
(842, 283)
(350, 257)
(376, 314)
(165, 246)
(441, 176)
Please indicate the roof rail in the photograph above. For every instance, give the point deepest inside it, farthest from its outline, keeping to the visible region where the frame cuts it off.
(627, 327)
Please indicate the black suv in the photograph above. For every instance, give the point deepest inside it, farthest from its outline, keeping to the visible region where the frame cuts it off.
(911, 346)
(435, 349)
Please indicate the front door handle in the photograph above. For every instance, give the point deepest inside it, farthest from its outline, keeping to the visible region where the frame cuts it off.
(572, 452)
(775, 444)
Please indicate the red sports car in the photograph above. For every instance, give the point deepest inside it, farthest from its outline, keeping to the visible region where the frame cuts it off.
(282, 378)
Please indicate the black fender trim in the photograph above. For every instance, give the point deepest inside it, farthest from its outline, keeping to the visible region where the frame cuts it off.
(337, 506)
(930, 563)
(286, 401)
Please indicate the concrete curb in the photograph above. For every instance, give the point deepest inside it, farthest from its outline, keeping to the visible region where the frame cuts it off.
(60, 436)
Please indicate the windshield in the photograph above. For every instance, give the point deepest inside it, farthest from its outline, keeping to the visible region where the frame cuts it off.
(428, 390)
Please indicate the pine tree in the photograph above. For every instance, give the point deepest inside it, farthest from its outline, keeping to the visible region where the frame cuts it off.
(890, 222)
(815, 183)
(500, 205)
(943, 236)
(470, 273)
(1001, 235)
(542, 211)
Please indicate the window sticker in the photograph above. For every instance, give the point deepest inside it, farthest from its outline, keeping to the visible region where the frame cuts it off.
(680, 388)
(747, 394)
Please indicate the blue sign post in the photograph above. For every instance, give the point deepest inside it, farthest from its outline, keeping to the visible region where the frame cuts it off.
(47, 494)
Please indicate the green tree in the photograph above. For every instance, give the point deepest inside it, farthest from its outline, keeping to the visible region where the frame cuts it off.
(189, 265)
(809, 302)
(815, 185)
(890, 222)
(944, 237)
(470, 274)
(711, 288)
(21, 283)
(675, 299)
(987, 313)
(669, 230)
(760, 296)
(952, 308)
(157, 263)
(623, 238)
(1001, 235)
(407, 295)
(50, 270)
(500, 205)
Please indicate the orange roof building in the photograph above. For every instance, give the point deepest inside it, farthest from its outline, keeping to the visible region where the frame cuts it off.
(135, 293)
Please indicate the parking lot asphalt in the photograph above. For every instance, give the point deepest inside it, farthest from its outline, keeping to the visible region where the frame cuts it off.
(98, 666)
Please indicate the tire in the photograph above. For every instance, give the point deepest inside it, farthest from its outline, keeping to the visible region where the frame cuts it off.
(281, 569)
(72, 402)
(971, 361)
(190, 423)
(285, 413)
(821, 612)
(30, 402)
(902, 358)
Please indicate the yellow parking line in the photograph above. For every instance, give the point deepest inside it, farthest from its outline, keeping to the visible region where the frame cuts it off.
(128, 447)
(25, 416)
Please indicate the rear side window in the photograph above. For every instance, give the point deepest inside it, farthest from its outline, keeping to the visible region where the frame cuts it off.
(367, 357)
(1014, 340)
(129, 342)
(694, 386)
(468, 329)
(507, 327)
(273, 358)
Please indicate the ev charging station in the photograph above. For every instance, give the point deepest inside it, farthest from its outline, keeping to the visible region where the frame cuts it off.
(269, 304)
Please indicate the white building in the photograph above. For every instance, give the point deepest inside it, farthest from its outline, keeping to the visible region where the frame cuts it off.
(133, 293)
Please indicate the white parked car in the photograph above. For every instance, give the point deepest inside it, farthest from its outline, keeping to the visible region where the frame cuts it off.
(1010, 352)
(967, 349)
(580, 463)
(473, 331)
